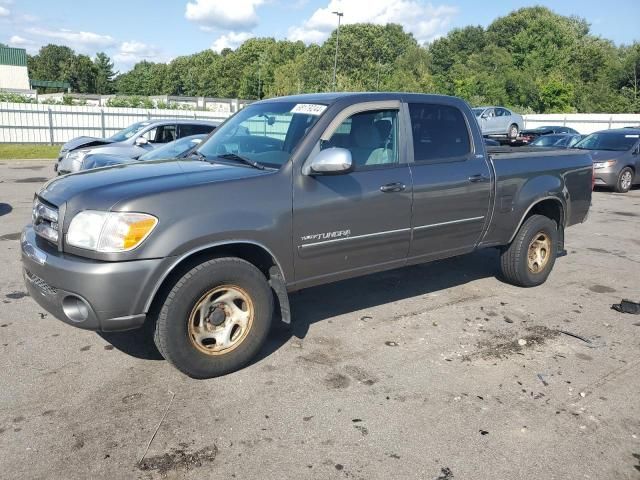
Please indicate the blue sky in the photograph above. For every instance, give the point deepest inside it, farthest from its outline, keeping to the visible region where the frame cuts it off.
(133, 30)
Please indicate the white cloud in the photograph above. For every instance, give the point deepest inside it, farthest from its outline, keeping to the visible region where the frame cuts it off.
(81, 41)
(230, 40)
(4, 12)
(133, 52)
(18, 41)
(424, 20)
(224, 14)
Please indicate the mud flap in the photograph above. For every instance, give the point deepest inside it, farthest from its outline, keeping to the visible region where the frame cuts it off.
(561, 251)
(276, 281)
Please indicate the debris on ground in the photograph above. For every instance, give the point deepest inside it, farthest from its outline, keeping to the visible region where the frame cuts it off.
(178, 458)
(544, 382)
(627, 306)
(503, 345)
(575, 335)
(445, 474)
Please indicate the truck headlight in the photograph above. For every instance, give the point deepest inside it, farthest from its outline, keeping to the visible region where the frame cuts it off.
(601, 165)
(109, 231)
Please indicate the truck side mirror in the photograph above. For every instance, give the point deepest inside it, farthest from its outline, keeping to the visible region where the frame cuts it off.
(332, 161)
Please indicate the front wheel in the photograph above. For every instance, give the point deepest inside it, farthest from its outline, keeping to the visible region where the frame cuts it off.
(215, 318)
(529, 259)
(513, 131)
(625, 180)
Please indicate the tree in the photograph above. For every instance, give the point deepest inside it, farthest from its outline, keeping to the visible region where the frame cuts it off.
(104, 74)
(531, 60)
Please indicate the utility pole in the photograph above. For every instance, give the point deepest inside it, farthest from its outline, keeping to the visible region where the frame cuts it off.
(335, 62)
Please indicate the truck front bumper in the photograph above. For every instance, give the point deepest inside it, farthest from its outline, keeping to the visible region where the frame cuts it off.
(85, 293)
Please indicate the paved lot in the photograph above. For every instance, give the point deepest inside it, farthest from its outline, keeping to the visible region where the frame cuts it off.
(414, 374)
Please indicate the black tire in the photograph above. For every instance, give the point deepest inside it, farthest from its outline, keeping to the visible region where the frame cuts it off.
(514, 259)
(621, 185)
(513, 131)
(172, 336)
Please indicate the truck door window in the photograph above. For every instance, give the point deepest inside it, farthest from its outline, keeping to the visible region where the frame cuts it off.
(371, 137)
(440, 133)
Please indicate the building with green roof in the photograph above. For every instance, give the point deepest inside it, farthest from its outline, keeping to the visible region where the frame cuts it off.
(13, 69)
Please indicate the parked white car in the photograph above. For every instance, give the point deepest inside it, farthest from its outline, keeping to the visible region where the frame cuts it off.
(499, 121)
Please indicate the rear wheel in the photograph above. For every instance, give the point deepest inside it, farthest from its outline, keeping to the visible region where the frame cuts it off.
(625, 180)
(513, 131)
(215, 318)
(529, 259)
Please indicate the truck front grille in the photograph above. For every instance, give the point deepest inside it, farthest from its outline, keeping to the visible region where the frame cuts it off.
(41, 284)
(45, 220)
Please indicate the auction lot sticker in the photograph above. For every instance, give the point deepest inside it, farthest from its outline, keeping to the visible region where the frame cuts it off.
(308, 109)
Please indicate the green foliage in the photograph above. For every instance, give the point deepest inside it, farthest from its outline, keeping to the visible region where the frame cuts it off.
(15, 98)
(104, 74)
(29, 151)
(531, 60)
(130, 102)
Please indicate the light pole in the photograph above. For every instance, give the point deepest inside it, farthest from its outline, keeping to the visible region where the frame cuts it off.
(335, 61)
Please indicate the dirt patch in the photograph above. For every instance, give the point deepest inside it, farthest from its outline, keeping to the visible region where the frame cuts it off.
(626, 214)
(33, 167)
(11, 236)
(16, 295)
(601, 289)
(32, 180)
(503, 345)
(360, 375)
(337, 380)
(319, 358)
(179, 459)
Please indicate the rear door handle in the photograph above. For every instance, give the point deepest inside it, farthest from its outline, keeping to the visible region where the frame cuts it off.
(478, 178)
(393, 187)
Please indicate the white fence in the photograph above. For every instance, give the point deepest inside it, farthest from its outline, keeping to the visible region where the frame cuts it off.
(584, 123)
(35, 123)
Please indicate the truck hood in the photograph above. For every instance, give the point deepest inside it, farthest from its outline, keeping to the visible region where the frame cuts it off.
(104, 187)
(83, 142)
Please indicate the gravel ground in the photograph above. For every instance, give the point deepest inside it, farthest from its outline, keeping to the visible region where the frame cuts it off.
(418, 373)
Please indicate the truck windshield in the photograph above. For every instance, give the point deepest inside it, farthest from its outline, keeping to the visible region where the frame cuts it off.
(266, 133)
(618, 142)
(128, 132)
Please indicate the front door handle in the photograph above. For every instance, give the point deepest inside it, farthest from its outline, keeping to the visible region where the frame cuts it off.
(393, 187)
(478, 178)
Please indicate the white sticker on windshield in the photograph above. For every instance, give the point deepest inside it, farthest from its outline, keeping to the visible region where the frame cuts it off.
(308, 109)
(632, 136)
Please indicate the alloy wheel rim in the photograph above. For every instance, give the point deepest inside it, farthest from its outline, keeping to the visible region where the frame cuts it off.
(625, 181)
(539, 252)
(220, 320)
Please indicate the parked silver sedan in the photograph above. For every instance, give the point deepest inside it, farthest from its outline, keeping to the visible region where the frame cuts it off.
(499, 121)
(134, 141)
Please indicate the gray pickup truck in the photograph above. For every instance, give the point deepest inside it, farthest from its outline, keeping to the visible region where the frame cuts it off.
(290, 193)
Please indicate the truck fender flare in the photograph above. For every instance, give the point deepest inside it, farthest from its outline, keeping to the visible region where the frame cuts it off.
(207, 246)
(533, 204)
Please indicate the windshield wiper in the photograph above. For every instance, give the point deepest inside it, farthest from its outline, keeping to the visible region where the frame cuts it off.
(238, 158)
(198, 155)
